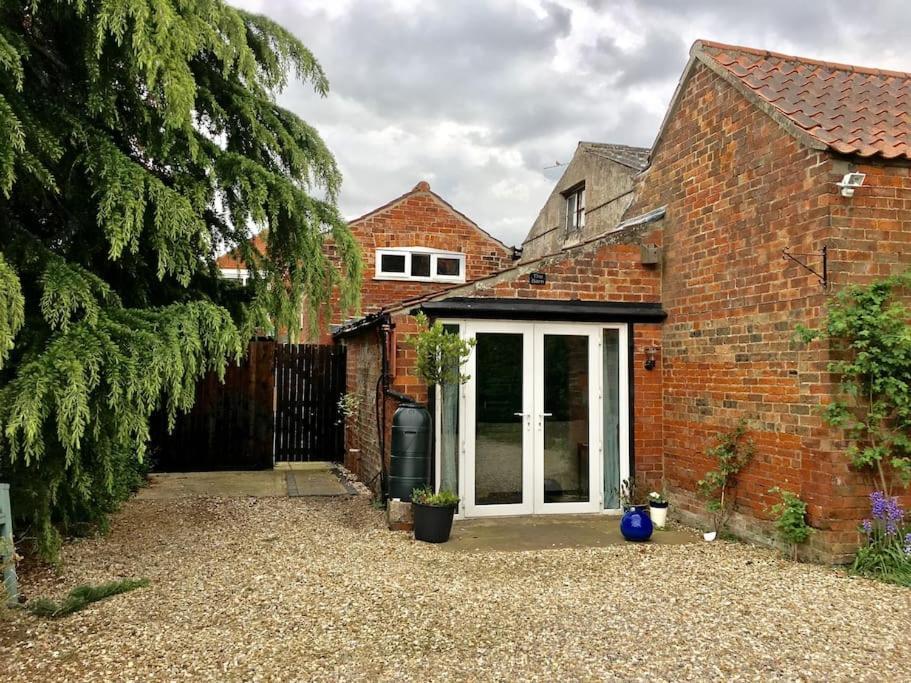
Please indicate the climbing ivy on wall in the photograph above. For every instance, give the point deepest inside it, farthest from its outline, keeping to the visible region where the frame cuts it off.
(869, 337)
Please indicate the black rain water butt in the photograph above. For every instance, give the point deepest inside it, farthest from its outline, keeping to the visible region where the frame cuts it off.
(410, 450)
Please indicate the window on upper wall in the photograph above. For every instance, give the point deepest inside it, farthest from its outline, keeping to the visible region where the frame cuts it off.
(575, 208)
(418, 263)
(235, 274)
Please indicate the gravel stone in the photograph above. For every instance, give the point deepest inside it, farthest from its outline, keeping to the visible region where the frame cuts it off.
(302, 589)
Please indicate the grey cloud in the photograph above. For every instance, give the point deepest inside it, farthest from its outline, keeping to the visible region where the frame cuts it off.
(400, 77)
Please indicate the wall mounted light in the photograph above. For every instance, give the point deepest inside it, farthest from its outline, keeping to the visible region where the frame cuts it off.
(651, 357)
(851, 182)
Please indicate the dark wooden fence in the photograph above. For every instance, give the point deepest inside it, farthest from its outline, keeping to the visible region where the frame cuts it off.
(279, 403)
(309, 381)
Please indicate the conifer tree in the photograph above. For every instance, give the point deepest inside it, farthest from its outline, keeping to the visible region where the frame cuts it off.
(138, 139)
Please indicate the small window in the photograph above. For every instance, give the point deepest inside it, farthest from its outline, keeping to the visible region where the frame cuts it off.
(575, 209)
(392, 263)
(448, 266)
(240, 274)
(420, 265)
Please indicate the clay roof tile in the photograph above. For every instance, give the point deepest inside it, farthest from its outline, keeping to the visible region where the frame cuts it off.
(852, 110)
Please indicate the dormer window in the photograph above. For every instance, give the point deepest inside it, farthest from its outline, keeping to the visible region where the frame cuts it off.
(575, 208)
(420, 264)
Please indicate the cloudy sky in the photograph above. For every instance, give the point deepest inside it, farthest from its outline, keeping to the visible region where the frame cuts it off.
(479, 98)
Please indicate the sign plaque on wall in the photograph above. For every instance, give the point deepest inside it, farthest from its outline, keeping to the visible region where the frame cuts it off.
(537, 278)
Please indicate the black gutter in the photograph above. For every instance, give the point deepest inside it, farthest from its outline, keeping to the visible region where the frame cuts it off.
(356, 326)
(543, 309)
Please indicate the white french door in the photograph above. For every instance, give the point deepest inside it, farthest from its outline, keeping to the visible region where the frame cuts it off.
(533, 419)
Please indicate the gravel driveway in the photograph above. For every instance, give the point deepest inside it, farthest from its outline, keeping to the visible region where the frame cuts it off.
(298, 589)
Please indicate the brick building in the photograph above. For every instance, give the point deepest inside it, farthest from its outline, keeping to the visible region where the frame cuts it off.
(609, 356)
(413, 245)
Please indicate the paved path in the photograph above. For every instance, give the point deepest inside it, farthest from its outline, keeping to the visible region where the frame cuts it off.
(287, 479)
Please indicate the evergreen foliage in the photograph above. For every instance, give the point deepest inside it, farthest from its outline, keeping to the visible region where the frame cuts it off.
(138, 139)
(440, 355)
(81, 597)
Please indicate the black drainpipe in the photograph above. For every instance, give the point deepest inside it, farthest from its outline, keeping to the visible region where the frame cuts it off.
(383, 383)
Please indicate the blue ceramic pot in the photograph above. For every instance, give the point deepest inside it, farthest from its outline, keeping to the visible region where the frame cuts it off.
(636, 524)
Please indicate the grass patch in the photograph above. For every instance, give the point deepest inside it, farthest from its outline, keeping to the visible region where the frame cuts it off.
(81, 597)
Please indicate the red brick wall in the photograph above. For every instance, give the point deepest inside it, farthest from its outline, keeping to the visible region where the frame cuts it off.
(419, 219)
(422, 220)
(739, 189)
(362, 447)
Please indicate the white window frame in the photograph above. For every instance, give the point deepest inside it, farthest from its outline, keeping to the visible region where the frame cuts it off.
(407, 252)
(241, 274)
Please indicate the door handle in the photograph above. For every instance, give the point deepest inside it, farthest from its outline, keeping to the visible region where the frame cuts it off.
(520, 414)
(547, 414)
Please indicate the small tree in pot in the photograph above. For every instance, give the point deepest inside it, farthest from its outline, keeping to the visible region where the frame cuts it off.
(440, 356)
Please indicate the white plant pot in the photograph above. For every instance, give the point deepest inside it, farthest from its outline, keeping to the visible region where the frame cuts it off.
(709, 535)
(658, 515)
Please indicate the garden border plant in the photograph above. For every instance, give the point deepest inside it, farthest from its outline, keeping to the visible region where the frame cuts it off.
(733, 452)
(867, 331)
(790, 519)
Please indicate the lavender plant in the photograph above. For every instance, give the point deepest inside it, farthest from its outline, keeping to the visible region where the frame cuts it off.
(887, 552)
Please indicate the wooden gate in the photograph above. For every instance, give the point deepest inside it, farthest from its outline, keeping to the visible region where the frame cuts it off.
(309, 381)
(279, 403)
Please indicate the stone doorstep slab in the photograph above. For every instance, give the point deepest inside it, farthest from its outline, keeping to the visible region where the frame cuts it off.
(508, 534)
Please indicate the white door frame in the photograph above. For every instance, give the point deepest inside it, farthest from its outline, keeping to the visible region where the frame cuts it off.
(595, 499)
(526, 507)
(532, 395)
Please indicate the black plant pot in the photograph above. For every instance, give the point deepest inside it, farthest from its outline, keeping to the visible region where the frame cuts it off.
(432, 523)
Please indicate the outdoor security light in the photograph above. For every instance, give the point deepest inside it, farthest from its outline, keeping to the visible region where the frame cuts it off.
(851, 182)
(651, 357)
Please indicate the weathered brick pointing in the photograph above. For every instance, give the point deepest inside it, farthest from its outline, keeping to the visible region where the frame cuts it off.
(739, 190)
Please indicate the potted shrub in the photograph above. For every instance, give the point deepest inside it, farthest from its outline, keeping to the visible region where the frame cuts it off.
(635, 525)
(433, 513)
(657, 508)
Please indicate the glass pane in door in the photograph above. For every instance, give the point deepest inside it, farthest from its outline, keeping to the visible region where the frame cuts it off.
(566, 419)
(498, 418)
(449, 430)
(611, 416)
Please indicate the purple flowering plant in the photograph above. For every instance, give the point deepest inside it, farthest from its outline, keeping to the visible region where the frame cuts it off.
(887, 551)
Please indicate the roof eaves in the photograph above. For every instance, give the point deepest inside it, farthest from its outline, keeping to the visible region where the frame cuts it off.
(602, 150)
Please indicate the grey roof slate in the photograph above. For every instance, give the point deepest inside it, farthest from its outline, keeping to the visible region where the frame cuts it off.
(632, 157)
